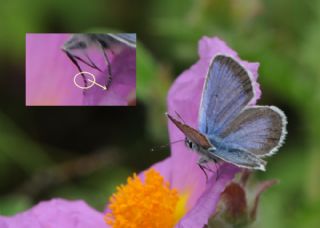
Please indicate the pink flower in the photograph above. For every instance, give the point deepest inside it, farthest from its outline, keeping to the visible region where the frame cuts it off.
(56, 213)
(197, 199)
(173, 192)
(49, 75)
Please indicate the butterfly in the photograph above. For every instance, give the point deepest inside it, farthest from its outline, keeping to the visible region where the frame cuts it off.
(81, 42)
(229, 128)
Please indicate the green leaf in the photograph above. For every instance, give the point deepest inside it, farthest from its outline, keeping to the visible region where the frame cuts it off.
(146, 73)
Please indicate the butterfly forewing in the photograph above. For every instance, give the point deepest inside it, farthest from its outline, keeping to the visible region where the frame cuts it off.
(192, 133)
(227, 90)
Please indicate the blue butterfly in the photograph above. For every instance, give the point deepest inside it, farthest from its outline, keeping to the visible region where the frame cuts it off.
(229, 128)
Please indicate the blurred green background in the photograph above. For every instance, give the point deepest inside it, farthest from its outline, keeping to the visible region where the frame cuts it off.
(84, 153)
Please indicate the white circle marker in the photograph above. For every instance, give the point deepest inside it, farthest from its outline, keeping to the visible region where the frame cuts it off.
(93, 81)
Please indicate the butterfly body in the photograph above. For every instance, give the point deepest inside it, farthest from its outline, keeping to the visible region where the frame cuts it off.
(229, 128)
(204, 152)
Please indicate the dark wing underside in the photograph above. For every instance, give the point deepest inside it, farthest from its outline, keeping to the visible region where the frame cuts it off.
(191, 133)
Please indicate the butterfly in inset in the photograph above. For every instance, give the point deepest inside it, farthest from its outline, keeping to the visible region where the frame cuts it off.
(80, 43)
(230, 129)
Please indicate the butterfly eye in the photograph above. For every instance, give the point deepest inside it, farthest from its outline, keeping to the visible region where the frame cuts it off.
(188, 143)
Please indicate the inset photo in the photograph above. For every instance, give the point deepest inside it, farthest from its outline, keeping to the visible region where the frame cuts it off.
(88, 69)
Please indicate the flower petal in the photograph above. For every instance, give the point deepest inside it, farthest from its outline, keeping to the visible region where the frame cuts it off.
(49, 72)
(206, 205)
(56, 213)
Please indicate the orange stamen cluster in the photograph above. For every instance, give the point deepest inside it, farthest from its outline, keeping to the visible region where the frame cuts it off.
(149, 204)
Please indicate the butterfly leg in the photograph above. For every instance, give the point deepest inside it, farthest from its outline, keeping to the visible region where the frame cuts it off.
(108, 63)
(74, 61)
(218, 174)
(204, 171)
(201, 163)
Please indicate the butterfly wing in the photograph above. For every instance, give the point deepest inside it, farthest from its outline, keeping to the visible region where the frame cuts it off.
(260, 130)
(240, 158)
(227, 90)
(129, 39)
(245, 133)
(191, 133)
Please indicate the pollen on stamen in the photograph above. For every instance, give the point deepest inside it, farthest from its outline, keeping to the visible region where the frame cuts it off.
(143, 204)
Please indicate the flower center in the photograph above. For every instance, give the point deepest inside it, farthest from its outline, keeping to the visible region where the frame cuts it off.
(148, 204)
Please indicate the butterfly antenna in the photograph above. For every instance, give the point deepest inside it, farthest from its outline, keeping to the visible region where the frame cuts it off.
(166, 145)
(180, 117)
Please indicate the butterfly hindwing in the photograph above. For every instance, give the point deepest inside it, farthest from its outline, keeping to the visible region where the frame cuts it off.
(240, 158)
(258, 129)
(129, 39)
(227, 90)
